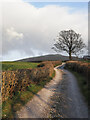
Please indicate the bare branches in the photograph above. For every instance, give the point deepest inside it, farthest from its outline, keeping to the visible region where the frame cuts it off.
(69, 41)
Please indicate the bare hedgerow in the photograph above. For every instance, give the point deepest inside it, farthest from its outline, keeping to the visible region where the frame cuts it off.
(19, 80)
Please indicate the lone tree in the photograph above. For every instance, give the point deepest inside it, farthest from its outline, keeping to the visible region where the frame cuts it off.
(69, 41)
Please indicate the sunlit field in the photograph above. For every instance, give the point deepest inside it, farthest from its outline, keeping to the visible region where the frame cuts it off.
(18, 65)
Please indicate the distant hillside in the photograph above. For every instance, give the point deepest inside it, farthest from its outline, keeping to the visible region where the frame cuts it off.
(51, 57)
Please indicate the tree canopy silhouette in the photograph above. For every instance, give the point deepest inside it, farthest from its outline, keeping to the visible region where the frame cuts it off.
(69, 41)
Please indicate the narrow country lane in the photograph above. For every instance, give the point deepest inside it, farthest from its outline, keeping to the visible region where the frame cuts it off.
(61, 98)
(69, 101)
(39, 106)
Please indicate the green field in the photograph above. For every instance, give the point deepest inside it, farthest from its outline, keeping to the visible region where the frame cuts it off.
(17, 65)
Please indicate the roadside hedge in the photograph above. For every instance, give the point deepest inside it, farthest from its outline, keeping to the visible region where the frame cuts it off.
(19, 80)
(82, 71)
(80, 67)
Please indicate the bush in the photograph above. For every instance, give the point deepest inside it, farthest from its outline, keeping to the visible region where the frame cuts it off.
(80, 67)
(19, 80)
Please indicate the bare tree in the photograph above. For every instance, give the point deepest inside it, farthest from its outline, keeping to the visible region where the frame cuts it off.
(69, 41)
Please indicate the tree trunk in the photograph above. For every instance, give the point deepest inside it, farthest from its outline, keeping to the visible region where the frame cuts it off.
(70, 57)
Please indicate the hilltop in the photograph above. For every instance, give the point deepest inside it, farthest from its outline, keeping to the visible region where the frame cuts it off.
(50, 57)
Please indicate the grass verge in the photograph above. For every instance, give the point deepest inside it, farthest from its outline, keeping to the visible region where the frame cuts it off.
(82, 83)
(10, 106)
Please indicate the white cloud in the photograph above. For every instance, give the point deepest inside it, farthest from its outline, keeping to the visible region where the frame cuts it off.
(12, 34)
(37, 27)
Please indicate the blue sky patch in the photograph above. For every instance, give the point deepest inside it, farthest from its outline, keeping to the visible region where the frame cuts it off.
(78, 5)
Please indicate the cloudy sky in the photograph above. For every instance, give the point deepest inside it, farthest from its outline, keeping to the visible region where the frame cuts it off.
(29, 27)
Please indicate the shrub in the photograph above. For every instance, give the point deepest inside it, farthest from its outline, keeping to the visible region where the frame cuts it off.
(80, 67)
(19, 80)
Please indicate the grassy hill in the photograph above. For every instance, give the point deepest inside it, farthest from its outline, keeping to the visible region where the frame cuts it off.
(50, 57)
